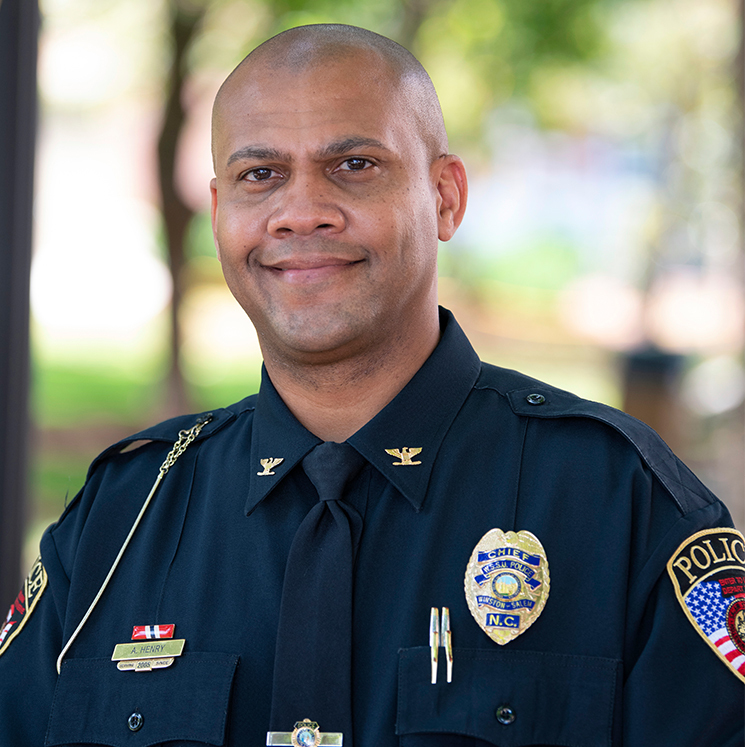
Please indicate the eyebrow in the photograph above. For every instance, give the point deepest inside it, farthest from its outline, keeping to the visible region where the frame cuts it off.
(335, 148)
(340, 147)
(257, 153)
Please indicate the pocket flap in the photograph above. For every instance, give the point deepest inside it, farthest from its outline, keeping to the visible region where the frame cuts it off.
(187, 702)
(552, 699)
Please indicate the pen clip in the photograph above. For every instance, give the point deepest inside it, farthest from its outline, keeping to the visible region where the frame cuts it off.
(440, 636)
(446, 641)
(434, 641)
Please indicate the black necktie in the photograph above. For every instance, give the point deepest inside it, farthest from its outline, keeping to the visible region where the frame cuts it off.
(312, 676)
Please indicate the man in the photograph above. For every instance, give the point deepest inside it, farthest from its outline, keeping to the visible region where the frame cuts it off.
(278, 584)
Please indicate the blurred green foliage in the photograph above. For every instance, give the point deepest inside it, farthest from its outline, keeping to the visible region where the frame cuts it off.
(56, 478)
(544, 265)
(478, 52)
(68, 396)
(79, 410)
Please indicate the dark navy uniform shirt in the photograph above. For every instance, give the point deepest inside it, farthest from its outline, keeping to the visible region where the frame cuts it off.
(611, 660)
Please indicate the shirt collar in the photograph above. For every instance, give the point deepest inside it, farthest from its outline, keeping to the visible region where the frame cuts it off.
(417, 418)
(276, 434)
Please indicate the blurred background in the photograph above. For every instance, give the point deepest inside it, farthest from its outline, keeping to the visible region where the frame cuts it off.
(601, 250)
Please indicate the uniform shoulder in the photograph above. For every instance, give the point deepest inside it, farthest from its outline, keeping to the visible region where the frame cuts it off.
(167, 431)
(145, 450)
(535, 399)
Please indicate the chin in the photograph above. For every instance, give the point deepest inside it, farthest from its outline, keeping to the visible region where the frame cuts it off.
(322, 337)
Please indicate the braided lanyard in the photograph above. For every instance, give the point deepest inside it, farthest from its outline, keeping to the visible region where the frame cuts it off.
(184, 440)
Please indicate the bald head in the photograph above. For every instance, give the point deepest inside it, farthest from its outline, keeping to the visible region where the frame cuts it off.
(309, 48)
(332, 190)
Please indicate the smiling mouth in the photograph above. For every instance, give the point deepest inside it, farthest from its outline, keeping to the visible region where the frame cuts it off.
(311, 270)
(311, 264)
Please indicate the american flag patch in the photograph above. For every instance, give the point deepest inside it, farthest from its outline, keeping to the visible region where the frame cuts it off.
(709, 610)
(148, 632)
(708, 576)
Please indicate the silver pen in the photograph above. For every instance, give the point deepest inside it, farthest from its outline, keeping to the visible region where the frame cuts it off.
(446, 641)
(434, 641)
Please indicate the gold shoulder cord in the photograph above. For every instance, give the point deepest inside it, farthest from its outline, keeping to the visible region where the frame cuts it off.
(184, 440)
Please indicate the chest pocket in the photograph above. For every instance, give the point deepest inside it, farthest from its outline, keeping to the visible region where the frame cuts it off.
(185, 704)
(506, 698)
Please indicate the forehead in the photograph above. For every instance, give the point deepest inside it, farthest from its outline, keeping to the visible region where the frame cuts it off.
(356, 95)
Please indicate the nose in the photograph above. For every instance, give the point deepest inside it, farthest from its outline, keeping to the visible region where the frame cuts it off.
(305, 206)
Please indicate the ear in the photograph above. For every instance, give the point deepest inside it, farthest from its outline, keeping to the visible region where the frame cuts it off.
(214, 213)
(452, 193)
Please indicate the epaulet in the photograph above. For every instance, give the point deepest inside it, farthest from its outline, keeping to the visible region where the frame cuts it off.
(533, 398)
(168, 431)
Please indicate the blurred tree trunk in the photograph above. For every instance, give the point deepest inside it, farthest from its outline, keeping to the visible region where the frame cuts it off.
(414, 12)
(185, 21)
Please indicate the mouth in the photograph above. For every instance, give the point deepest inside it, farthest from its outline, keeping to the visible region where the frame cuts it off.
(311, 269)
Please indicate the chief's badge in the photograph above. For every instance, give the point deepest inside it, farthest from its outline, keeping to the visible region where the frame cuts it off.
(707, 571)
(507, 583)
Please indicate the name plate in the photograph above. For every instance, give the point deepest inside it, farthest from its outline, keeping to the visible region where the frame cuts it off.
(148, 650)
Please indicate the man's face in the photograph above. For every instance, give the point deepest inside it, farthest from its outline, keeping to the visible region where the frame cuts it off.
(325, 208)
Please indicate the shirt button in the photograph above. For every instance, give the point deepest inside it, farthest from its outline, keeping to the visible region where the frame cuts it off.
(135, 721)
(535, 399)
(505, 715)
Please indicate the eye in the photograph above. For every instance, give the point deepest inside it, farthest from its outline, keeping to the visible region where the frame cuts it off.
(355, 164)
(259, 174)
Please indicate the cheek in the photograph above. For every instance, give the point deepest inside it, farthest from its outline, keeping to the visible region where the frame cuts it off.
(237, 231)
(419, 230)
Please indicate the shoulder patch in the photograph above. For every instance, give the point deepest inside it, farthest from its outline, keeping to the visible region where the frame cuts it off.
(707, 571)
(21, 609)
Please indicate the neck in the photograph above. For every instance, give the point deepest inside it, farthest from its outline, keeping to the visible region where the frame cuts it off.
(333, 400)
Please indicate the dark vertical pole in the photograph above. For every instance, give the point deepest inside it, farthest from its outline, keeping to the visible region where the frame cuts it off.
(19, 25)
